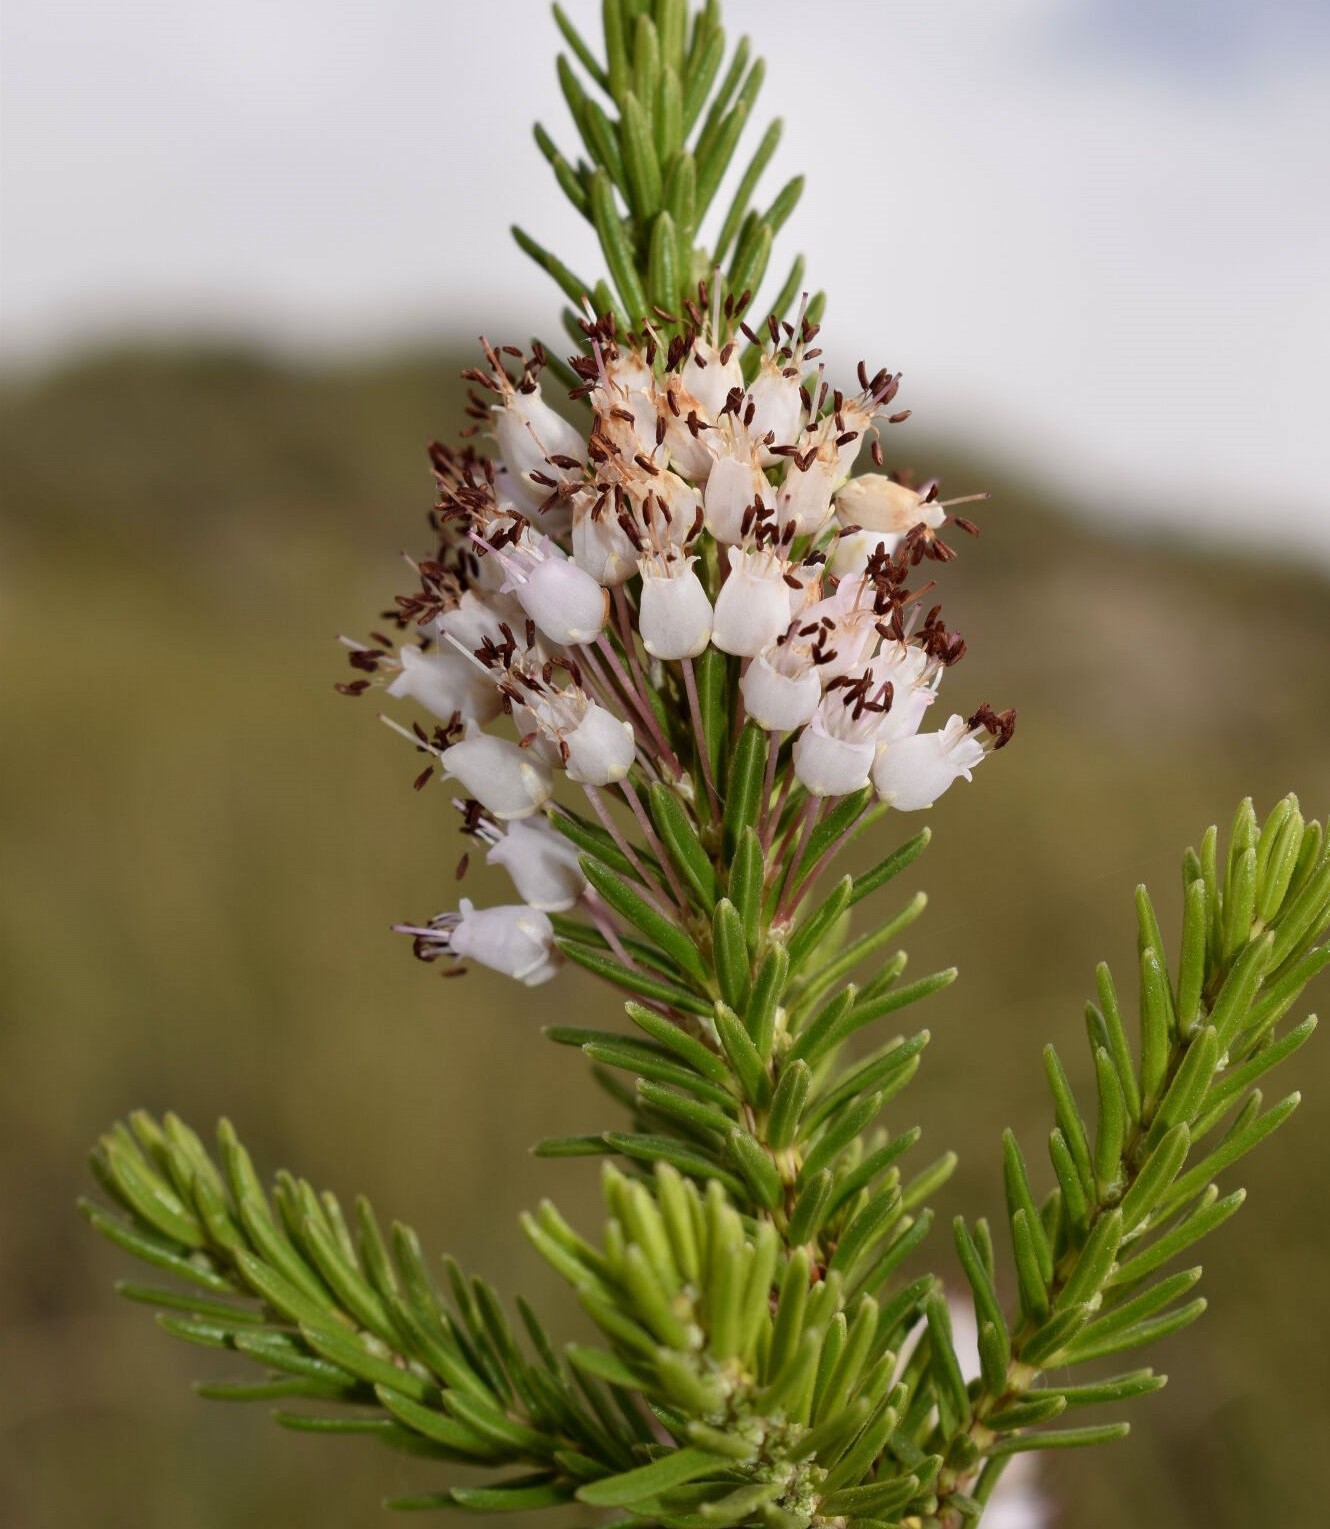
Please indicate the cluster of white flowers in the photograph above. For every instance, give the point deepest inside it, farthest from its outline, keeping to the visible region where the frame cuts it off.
(581, 575)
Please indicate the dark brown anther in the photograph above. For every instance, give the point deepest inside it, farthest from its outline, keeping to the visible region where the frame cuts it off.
(998, 725)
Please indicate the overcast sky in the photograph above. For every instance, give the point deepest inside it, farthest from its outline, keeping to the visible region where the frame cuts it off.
(1094, 236)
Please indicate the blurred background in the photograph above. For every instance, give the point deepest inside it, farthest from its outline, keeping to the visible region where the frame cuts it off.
(243, 260)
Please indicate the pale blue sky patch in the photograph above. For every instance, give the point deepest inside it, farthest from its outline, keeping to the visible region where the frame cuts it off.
(1213, 41)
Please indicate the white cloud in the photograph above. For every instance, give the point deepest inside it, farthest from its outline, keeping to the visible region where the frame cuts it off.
(1083, 244)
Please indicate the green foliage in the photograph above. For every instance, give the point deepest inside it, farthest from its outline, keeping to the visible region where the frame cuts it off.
(748, 1285)
(768, 1354)
(338, 1314)
(659, 124)
(1136, 1190)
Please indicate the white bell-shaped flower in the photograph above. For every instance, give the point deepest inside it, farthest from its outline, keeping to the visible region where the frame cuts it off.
(626, 405)
(497, 525)
(506, 779)
(911, 773)
(736, 483)
(711, 375)
(541, 863)
(853, 550)
(753, 606)
(564, 601)
(667, 498)
(478, 619)
(674, 613)
(687, 432)
(601, 748)
(597, 748)
(517, 941)
(531, 435)
(535, 740)
(804, 583)
(447, 685)
(873, 502)
(833, 756)
(602, 548)
(774, 408)
(804, 500)
(849, 623)
(909, 707)
(914, 678)
(781, 688)
(850, 443)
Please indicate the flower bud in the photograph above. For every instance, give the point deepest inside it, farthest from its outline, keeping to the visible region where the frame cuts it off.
(873, 502)
(753, 607)
(564, 601)
(517, 941)
(600, 748)
(781, 688)
(674, 613)
(542, 864)
(911, 773)
(596, 747)
(503, 777)
(447, 685)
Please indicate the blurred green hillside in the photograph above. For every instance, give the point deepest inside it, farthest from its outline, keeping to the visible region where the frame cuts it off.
(203, 847)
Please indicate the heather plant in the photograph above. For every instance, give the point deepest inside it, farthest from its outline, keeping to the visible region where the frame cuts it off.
(676, 644)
